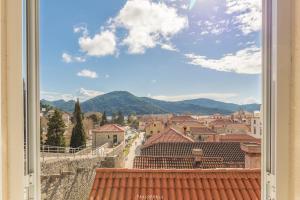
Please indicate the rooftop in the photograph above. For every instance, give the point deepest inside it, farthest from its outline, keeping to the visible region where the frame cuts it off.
(224, 184)
(159, 162)
(231, 152)
(170, 135)
(109, 128)
(182, 118)
(201, 130)
(237, 138)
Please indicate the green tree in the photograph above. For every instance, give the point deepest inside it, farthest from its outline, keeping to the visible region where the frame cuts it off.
(95, 118)
(114, 118)
(78, 134)
(103, 119)
(120, 118)
(56, 129)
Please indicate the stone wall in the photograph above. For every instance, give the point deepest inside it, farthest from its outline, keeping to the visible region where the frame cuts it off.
(71, 179)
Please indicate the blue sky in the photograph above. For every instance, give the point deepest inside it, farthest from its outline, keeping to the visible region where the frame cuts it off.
(167, 49)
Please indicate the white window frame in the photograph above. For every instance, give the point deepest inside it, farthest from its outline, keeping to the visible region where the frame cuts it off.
(277, 52)
(276, 95)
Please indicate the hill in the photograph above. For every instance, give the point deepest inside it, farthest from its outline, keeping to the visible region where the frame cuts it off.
(128, 103)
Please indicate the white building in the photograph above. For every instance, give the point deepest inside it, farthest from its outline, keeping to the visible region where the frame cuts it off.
(256, 124)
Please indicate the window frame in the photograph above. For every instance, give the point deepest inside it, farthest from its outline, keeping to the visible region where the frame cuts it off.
(276, 98)
(275, 184)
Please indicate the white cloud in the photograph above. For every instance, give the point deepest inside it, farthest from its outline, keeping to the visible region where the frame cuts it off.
(247, 14)
(81, 28)
(244, 61)
(67, 58)
(153, 81)
(214, 27)
(249, 100)
(148, 24)
(169, 47)
(82, 94)
(216, 96)
(87, 73)
(102, 44)
(52, 96)
(106, 76)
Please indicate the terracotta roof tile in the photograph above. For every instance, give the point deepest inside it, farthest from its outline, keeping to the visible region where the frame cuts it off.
(170, 135)
(201, 130)
(109, 128)
(237, 138)
(216, 184)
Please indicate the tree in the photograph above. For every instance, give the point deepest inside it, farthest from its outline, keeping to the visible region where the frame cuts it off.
(78, 134)
(95, 118)
(103, 119)
(114, 118)
(56, 129)
(120, 118)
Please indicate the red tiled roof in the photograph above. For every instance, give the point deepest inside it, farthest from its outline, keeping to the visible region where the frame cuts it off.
(238, 126)
(201, 130)
(237, 138)
(170, 135)
(194, 184)
(158, 162)
(181, 118)
(109, 128)
(221, 122)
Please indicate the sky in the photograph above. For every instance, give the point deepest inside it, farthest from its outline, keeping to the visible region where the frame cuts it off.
(164, 49)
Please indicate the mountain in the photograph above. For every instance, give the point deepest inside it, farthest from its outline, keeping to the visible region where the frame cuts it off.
(127, 103)
(120, 101)
(67, 106)
(209, 103)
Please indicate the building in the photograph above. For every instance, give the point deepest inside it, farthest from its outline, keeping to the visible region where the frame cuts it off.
(193, 184)
(169, 135)
(256, 124)
(236, 138)
(219, 125)
(155, 127)
(252, 155)
(237, 128)
(185, 127)
(108, 133)
(202, 134)
(181, 118)
(242, 116)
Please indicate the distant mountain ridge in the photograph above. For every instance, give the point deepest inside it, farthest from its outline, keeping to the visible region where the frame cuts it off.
(128, 103)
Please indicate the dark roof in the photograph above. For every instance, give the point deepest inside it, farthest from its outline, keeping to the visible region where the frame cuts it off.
(229, 151)
(170, 135)
(194, 184)
(158, 162)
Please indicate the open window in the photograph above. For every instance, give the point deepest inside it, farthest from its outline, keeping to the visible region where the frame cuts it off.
(275, 78)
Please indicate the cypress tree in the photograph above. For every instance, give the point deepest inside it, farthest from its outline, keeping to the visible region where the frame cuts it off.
(78, 134)
(120, 118)
(103, 119)
(56, 129)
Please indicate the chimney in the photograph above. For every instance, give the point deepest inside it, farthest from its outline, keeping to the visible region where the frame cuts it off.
(252, 155)
(197, 154)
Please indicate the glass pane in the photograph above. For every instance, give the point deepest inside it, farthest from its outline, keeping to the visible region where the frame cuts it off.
(147, 85)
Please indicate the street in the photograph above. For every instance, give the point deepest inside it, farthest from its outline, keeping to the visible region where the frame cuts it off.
(134, 150)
